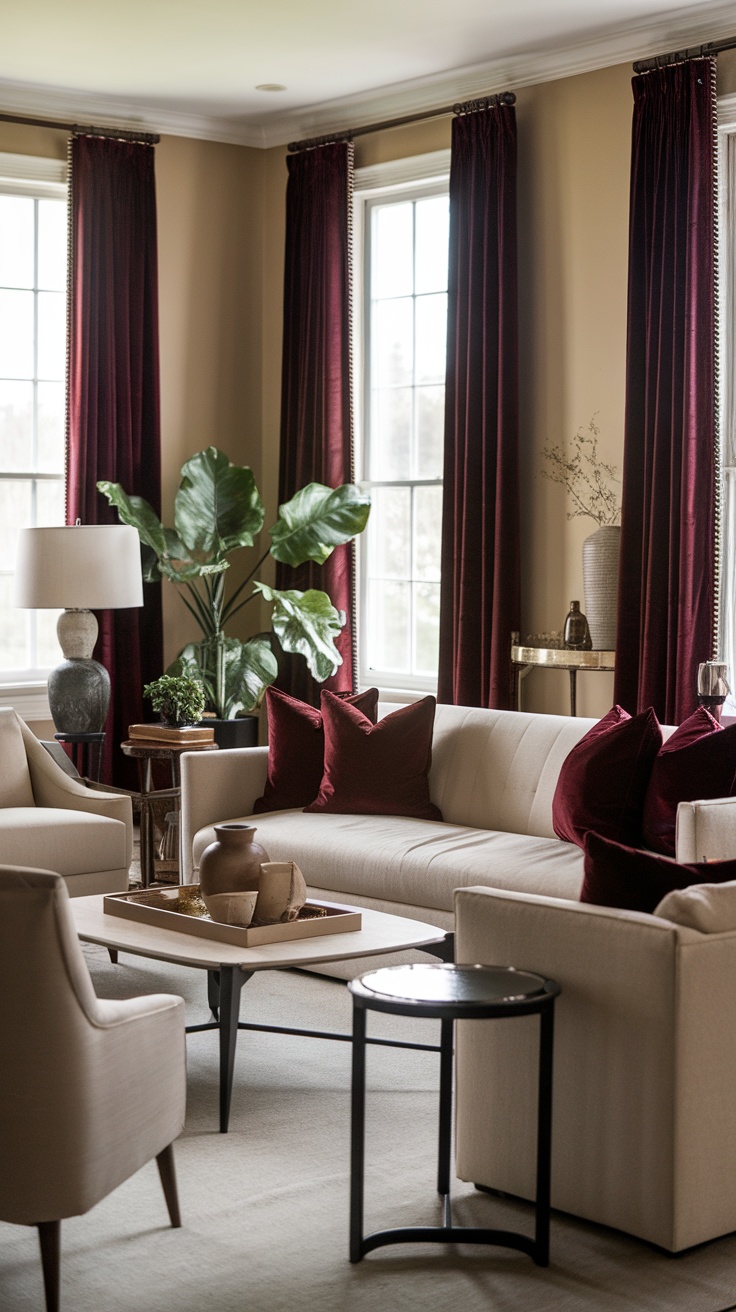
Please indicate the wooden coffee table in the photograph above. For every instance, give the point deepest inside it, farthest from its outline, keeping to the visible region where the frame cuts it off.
(229, 968)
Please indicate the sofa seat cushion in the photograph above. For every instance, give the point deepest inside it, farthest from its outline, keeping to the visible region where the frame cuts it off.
(416, 862)
(68, 842)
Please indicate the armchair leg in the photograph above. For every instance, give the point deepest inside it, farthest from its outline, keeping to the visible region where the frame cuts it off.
(49, 1237)
(167, 1172)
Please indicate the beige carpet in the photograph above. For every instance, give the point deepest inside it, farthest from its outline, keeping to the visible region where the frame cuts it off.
(265, 1208)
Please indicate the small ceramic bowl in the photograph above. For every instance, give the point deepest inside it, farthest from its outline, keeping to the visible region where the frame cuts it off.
(232, 908)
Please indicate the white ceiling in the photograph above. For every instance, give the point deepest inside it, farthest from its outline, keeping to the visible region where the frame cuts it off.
(192, 66)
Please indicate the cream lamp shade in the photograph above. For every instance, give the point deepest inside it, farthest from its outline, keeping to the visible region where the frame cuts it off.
(80, 567)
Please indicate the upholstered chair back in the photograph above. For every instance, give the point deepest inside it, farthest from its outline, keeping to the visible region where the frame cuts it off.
(69, 1063)
(15, 778)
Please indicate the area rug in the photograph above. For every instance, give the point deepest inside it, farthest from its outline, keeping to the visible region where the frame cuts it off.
(265, 1207)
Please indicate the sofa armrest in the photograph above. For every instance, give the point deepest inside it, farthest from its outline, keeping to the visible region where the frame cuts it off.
(217, 786)
(706, 831)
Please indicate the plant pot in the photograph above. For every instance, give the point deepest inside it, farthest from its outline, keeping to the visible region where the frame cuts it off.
(600, 585)
(234, 733)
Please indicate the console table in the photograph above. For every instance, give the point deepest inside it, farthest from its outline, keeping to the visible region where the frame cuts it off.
(525, 659)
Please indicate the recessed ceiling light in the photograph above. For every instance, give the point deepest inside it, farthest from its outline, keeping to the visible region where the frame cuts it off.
(271, 86)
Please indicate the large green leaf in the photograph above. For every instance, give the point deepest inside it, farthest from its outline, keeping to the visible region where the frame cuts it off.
(139, 514)
(218, 506)
(317, 520)
(250, 668)
(307, 623)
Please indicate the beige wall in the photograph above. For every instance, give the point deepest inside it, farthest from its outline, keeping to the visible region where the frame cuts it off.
(221, 240)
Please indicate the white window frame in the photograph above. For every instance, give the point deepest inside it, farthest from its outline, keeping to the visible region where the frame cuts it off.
(39, 178)
(410, 179)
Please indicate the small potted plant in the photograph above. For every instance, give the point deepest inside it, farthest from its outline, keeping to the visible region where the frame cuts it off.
(179, 700)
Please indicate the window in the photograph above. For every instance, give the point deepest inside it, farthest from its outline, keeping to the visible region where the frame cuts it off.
(33, 263)
(403, 232)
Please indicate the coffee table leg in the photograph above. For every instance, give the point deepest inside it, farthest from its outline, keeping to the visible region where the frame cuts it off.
(232, 979)
(213, 993)
(357, 1134)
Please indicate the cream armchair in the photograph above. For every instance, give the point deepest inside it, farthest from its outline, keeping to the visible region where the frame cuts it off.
(644, 1113)
(56, 823)
(90, 1090)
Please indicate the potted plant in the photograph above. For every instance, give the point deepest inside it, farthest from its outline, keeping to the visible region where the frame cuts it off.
(588, 482)
(217, 511)
(179, 700)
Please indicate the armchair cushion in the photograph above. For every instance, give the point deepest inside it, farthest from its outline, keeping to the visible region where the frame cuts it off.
(69, 842)
(603, 780)
(697, 762)
(709, 908)
(618, 876)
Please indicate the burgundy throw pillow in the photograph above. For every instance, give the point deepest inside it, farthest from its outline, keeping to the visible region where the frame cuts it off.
(698, 761)
(604, 778)
(618, 876)
(296, 748)
(377, 769)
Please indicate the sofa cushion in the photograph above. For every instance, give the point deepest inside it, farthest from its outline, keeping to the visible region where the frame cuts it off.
(68, 842)
(709, 908)
(414, 862)
(697, 762)
(377, 769)
(603, 781)
(15, 779)
(626, 877)
(296, 748)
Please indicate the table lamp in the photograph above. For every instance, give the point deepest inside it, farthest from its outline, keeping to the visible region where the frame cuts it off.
(79, 567)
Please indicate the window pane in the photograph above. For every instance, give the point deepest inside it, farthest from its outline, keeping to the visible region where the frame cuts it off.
(51, 334)
(431, 330)
(390, 447)
(16, 426)
(390, 547)
(389, 610)
(432, 233)
(14, 628)
(52, 237)
(15, 514)
(426, 627)
(51, 428)
(16, 241)
(48, 651)
(427, 525)
(430, 435)
(391, 252)
(16, 334)
(393, 343)
(50, 503)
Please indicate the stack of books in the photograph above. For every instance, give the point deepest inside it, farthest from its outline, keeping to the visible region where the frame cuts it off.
(161, 733)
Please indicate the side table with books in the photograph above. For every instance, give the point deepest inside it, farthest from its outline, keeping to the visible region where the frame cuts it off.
(156, 742)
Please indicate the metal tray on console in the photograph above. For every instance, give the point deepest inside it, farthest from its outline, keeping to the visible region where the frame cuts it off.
(138, 906)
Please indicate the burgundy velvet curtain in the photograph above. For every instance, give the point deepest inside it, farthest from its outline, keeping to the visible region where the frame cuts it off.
(480, 596)
(316, 430)
(667, 576)
(113, 401)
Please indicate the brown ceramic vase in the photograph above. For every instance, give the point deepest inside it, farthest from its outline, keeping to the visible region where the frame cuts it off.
(232, 864)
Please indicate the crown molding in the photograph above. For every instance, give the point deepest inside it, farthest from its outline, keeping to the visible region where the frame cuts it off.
(641, 39)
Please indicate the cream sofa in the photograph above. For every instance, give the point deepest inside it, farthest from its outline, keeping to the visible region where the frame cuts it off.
(53, 822)
(493, 776)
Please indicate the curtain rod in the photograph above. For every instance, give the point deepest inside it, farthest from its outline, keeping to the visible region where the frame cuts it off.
(84, 129)
(680, 56)
(468, 107)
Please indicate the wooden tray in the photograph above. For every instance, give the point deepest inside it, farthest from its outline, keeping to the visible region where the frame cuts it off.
(131, 906)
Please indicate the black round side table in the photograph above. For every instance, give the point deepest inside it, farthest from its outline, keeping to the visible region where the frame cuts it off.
(449, 993)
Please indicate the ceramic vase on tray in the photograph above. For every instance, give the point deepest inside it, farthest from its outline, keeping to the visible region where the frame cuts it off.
(240, 884)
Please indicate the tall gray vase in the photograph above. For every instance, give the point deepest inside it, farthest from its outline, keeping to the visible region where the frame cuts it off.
(600, 584)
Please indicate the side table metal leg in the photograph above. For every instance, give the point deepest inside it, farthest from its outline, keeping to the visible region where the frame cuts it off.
(544, 1138)
(357, 1133)
(573, 692)
(232, 979)
(445, 1139)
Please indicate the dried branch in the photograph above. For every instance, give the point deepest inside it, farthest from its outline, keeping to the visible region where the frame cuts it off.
(585, 477)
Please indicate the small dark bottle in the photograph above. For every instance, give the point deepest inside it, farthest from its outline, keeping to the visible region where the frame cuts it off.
(576, 635)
